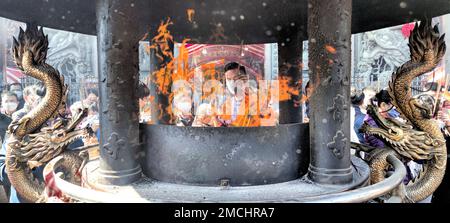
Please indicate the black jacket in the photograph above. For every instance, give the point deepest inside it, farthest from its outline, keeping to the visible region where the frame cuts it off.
(4, 123)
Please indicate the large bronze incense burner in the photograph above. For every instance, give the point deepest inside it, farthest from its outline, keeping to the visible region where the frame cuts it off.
(289, 162)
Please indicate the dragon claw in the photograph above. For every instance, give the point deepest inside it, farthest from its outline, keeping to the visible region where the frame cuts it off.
(42, 199)
(408, 199)
(85, 156)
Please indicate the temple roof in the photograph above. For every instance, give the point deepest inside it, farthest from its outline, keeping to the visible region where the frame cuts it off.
(243, 21)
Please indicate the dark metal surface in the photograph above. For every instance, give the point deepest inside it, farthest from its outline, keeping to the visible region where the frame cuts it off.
(241, 156)
(118, 84)
(254, 21)
(330, 63)
(290, 64)
(147, 190)
(364, 194)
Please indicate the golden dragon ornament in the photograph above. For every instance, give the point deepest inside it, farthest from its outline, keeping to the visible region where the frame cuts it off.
(32, 142)
(420, 138)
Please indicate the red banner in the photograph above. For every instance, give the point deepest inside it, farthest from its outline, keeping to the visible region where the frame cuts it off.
(13, 75)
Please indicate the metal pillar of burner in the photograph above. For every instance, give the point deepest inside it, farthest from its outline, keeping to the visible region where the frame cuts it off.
(329, 35)
(290, 65)
(117, 37)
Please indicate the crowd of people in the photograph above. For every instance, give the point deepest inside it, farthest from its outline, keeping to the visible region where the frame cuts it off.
(383, 102)
(17, 101)
(231, 107)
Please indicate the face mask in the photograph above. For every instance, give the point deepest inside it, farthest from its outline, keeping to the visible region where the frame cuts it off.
(18, 93)
(11, 106)
(184, 107)
(230, 86)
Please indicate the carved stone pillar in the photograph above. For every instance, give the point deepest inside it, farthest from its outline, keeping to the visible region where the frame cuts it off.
(329, 30)
(290, 59)
(117, 38)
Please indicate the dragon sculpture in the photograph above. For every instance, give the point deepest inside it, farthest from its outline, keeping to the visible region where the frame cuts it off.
(31, 141)
(419, 138)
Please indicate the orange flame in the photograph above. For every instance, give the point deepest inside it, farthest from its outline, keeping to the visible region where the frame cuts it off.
(288, 89)
(190, 14)
(174, 69)
(330, 49)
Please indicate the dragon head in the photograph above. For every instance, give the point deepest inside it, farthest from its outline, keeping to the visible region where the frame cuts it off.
(388, 130)
(41, 147)
(412, 144)
(44, 146)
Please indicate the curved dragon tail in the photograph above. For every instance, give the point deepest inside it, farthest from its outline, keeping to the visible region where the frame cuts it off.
(29, 52)
(33, 40)
(22, 178)
(429, 178)
(419, 188)
(427, 48)
(425, 45)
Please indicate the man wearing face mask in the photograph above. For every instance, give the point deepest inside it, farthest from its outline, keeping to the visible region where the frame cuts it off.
(16, 88)
(237, 91)
(10, 103)
(232, 107)
(182, 108)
